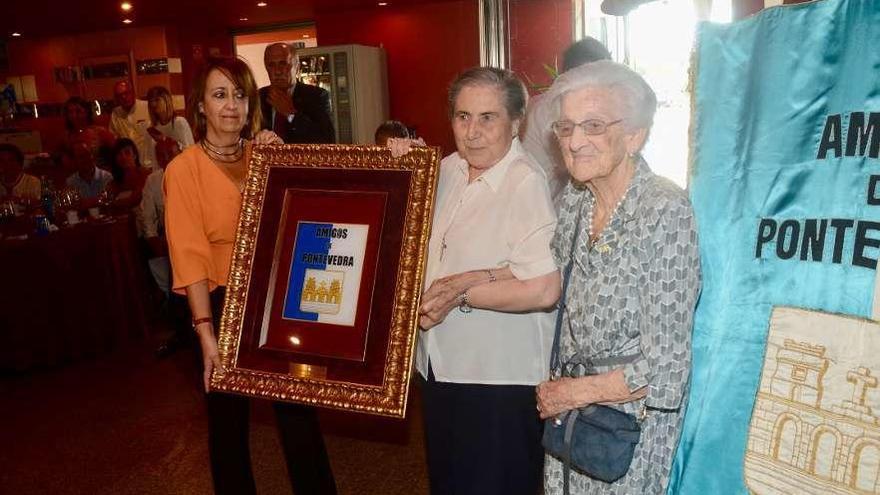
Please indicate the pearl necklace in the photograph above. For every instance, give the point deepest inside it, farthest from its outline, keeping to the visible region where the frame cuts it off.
(594, 236)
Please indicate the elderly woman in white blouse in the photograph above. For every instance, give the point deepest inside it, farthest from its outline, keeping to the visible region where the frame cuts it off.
(490, 277)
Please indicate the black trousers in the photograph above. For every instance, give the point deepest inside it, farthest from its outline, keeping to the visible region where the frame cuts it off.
(482, 439)
(228, 444)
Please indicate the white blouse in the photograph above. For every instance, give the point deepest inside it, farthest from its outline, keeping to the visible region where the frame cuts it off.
(503, 218)
(177, 129)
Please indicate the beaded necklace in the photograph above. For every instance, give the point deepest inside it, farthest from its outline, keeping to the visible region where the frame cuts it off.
(594, 236)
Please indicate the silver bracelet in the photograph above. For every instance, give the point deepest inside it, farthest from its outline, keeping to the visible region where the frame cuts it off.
(463, 303)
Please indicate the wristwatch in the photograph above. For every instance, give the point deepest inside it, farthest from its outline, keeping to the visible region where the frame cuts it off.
(463, 304)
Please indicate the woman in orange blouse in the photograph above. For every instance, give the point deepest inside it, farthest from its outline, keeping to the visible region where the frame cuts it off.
(203, 187)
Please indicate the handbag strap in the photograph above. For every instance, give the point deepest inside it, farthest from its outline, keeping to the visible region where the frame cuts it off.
(571, 416)
(566, 275)
(566, 465)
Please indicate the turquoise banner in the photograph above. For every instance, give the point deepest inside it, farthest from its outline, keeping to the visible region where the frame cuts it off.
(785, 183)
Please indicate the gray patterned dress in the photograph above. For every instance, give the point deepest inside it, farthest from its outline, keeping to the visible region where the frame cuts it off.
(633, 292)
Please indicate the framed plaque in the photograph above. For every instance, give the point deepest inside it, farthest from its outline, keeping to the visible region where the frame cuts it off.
(323, 292)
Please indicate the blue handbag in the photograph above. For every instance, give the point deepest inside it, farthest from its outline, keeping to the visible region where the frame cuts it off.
(596, 440)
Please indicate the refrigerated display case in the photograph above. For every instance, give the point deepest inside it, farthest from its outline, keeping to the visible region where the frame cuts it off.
(357, 80)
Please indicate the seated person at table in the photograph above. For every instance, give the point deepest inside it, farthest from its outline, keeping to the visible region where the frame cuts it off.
(79, 121)
(14, 183)
(390, 129)
(153, 231)
(89, 180)
(127, 186)
(63, 158)
(153, 215)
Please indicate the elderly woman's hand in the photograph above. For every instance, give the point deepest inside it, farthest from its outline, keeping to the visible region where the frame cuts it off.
(434, 311)
(426, 323)
(445, 291)
(563, 394)
(557, 396)
(267, 137)
(444, 294)
(401, 146)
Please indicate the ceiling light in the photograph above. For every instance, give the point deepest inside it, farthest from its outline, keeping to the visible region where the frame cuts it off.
(262, 4)
(383, 4)
(126, 21)
(242, 18)
(16, 35)
(125, 6)
(306, 36)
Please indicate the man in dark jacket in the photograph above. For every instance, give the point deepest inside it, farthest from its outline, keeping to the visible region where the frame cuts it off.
(298, 112)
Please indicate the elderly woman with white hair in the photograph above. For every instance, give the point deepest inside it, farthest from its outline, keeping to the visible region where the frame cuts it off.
(626, 241)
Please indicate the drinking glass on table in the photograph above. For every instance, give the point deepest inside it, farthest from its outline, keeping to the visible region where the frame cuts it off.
(75, 200)
(105, 199)
(62, 199)
(7, 212)
(67, 200)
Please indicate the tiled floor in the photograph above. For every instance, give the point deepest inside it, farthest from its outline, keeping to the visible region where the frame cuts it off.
(128, 423)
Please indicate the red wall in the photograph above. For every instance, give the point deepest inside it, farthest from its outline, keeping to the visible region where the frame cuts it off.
(540, 30)
(39, 57)
(427, 45)
(186, 41)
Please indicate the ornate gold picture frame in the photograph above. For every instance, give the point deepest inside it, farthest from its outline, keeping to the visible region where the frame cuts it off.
(323, 292)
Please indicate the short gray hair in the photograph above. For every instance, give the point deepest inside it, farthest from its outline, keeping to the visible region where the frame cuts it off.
(291, 49)
(515, 95)
(637, 97)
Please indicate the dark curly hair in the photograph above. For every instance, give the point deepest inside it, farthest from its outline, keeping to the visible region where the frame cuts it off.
(116, 169)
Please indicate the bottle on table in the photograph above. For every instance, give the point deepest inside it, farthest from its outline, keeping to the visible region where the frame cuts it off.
(47, 198)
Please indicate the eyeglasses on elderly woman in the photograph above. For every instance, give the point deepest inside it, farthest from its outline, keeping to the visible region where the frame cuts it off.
(590, 127)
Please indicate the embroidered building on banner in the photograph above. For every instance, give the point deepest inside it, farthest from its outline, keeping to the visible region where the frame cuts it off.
(800, 439)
